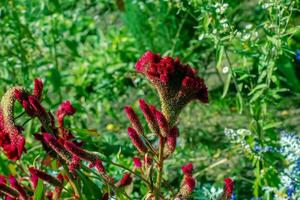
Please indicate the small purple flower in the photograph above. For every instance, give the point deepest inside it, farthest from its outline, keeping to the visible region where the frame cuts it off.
(290, 191)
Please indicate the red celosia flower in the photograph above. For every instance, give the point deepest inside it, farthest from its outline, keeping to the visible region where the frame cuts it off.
(171, 141)
(84, 155)
(136, 140)
(38, 174)
(64, 109)
(189, 183)
(137, 162)
(134, 119)
(149, 113)
(176, 83)
(228, 188)
(38, 88)
(124, 181)
(187, 169)
(74, 164)
(14, 184)
(54, 144)
(11, 140)
(163, 123)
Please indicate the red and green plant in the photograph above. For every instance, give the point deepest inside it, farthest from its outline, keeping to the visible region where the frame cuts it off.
(176, 84)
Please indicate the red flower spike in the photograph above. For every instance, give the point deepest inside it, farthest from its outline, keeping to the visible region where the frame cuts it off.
(29, 110)
(137, 162)
(229, 185)
(53, 143)
(14, 184)
(134, 119)
(38, 88)
(189, 183)
(75, 162)
(187, 169)
(171, 141)
(84, 155)
(65, 109)
(149, 114)
(20, 96)
(11, 139)
(124, 181)
(163, 123)
(38, 174)
(136, 140)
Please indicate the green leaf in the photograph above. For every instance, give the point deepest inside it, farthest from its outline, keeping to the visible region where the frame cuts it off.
(38, 194)
(226, 85)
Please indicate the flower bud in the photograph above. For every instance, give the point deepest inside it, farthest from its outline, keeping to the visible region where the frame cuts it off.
(137, 162)
(136, 140)
(163, 123)
(53, 143)
(187, 169)
(38, 174)
(228, 189)
(149, 114)
(38, 88)
(124, 181)
(134, 119)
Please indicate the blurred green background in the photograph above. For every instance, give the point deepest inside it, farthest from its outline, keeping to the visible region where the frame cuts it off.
(85, 52)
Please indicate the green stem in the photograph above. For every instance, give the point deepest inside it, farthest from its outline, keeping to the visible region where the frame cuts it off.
(160, 167)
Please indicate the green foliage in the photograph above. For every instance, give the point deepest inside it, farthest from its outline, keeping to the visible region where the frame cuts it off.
(85, 52)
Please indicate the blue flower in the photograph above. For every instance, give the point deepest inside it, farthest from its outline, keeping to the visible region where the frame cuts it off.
(298, 56)
(233, 197)
(290, 191)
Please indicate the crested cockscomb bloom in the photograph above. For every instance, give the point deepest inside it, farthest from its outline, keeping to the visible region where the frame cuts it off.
(163, 123)
(171, 141)
(137, 162)
(14, 184)
(136, 140)
(149, 114)
(84, 155)
(38, 174)
(228, 189)
(134, 119)
(38, 88)
(124, 181)
(176, 83)
(187, 169)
